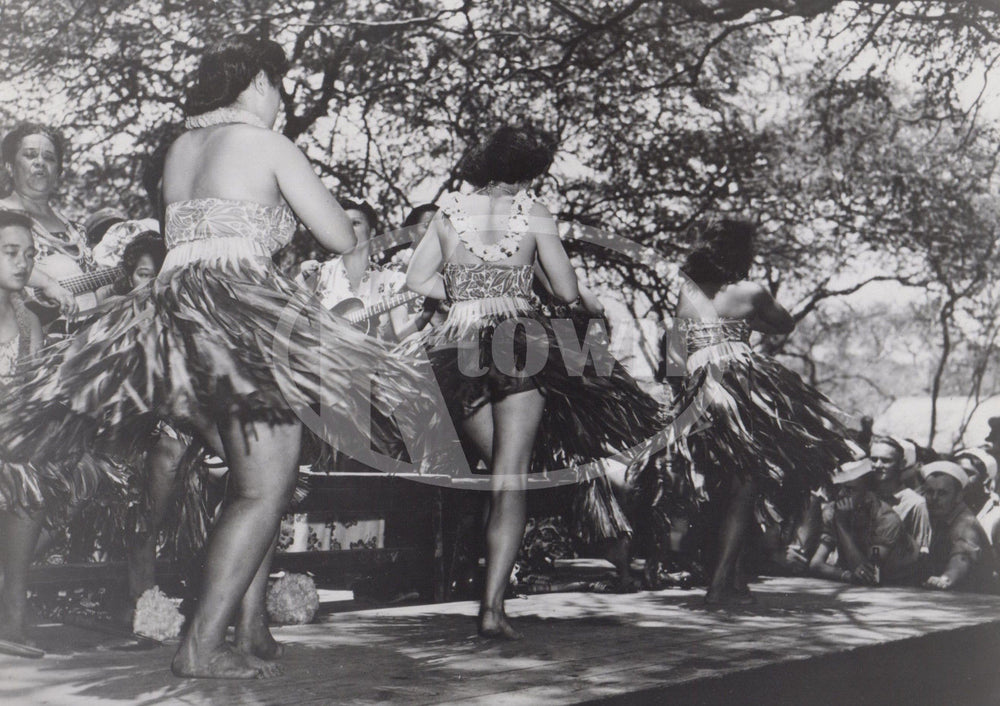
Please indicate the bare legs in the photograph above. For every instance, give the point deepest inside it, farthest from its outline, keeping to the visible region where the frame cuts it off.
(504, 433)
(263, 461)
(162, 463)
(20, 534)
(253, 637)
(728, 582)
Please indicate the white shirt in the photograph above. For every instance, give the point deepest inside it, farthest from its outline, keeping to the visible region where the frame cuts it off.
(989, 518)
(333, 286)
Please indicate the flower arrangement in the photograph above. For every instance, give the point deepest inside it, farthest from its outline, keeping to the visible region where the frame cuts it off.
(157, 615)
(292, 599)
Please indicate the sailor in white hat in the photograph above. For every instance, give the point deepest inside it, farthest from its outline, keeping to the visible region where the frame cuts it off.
(979, 495)
(960, 556)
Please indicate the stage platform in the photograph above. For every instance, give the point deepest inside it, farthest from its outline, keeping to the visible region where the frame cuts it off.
(806, 642)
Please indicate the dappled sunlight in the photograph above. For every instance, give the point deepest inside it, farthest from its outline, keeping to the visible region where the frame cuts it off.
(576, 646)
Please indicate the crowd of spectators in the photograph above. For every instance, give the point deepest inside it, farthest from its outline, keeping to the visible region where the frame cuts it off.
(903, 515)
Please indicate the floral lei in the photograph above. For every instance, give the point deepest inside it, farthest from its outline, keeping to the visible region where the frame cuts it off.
(517, 226)
(221, 116)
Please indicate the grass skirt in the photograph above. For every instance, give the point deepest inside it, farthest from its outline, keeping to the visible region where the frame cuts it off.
(200, 344)
(761, 421)
(593, 407)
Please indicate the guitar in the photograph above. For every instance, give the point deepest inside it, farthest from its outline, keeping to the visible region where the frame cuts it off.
(67, 272)
(362, 317)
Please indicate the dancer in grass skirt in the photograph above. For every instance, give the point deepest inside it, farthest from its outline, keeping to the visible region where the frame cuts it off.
(221, 344)
(762, 438)
(516, 384)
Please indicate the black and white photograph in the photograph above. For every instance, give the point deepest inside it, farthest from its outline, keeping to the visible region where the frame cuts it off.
(500, 352)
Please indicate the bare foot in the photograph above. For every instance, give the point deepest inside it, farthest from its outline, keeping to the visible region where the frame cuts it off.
(743, 596)
(222, 663)
(268, 669)
(256, 640)
(494, 624)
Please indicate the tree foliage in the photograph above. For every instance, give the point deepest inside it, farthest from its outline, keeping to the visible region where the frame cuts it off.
(851, 131)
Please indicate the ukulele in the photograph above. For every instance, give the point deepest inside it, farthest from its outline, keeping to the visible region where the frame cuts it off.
(67, 272)
(362, 317)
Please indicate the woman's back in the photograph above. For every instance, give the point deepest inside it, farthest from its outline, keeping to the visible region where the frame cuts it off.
(728, 301)
(231, 161)
(497, 230)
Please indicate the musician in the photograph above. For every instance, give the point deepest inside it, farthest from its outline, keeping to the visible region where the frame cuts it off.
(33, 155)
(355, 276)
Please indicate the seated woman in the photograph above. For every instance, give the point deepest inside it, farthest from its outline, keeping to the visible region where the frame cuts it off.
(33, 157)
(141, 260)
(872, 546)
(960, 556)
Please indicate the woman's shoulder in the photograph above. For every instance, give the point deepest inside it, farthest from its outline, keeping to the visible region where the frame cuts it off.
(742, 298)
(537, 208)
(237, 135)
(747, 288)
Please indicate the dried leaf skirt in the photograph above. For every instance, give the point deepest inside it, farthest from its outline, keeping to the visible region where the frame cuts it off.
(593, 407)
(749, 415)
(203, 343)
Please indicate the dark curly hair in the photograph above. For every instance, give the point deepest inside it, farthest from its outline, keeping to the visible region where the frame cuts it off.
(12, 140)
(510, 155)
(413, 218)
(10, 218)
(365, 208)
(228, 67)
(148, 243)
(723, 251)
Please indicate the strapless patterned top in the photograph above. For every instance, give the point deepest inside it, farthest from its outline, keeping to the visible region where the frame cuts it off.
(485, 281)
(715, 340)
(702, 334)
(225, 230)
(483, 294)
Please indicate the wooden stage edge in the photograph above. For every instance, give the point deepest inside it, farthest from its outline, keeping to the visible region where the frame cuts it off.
(806, 642)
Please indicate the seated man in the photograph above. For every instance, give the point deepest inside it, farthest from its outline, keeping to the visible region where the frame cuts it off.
(871, 545)
(354, 283)
(978, 495)
(960, 557)
(888, 461)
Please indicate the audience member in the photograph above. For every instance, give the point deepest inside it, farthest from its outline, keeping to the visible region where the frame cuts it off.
(871, 544)
(960, 557)
(979, 495)
(888, 456)
(98, 223)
